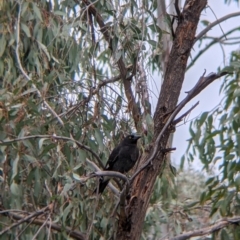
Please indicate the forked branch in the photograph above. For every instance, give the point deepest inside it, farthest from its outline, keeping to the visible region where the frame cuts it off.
(222, 223)
(202, 83)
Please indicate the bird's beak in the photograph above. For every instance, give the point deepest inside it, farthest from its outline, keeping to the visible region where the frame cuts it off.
(137, 137)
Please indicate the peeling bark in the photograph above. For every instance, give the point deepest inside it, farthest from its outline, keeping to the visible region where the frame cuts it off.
(142, 187)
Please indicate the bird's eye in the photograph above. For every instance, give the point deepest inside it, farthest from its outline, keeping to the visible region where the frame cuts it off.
(131, 137)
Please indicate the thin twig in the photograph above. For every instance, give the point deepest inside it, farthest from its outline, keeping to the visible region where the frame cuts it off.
(18, 40)
(217, 19)
(176, 121)
(49, 228)
(222, 223)
(23, 230)
(93, 91)
(93, 217)
(80, 145)
(23, 71)
(53, 226)
(25, 219)
(204, 31)
(216, 40)
(38, 231)
(176, 4)
(46, 186)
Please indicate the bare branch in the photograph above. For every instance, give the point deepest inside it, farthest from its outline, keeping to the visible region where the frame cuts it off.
(111, 174)
(93, 91)
(25, 219)
(222, 223)
(202, 83)
(74, 234)
(216, 40)
(203, 32)
(176, 4)
(13, 210)
(176, 121)
(110, 185)
(44, 224)
(80, 145)
(104, 83)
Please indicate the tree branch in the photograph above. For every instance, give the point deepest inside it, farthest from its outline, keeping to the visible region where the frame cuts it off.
(23, 218)
(216, 40)
(176, 4)
(176, 121)
(110, 185)
(202, 83)
(92, 91)
(222, 223)
(204, 31)
(80, 145)
(112, 174)
(121, 65)
(143, 184)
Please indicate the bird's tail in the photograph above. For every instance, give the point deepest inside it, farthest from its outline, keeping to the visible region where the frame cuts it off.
(102, 185)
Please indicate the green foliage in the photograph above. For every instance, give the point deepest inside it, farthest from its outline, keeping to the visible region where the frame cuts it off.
(215, 141)
(61, 97)
(174, 205)
(67, 61)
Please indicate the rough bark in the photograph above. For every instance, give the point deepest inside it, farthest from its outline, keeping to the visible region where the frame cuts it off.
(142, 187)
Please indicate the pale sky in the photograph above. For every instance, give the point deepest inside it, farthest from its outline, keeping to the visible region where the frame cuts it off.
(210, 61)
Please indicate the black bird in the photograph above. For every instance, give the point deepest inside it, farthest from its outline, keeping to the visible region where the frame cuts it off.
(122, 159)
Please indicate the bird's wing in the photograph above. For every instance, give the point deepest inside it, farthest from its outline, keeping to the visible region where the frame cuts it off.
(129, 151)
(135, 154)
(113, 157)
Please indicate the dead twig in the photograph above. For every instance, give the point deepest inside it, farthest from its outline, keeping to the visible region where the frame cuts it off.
(176, 121)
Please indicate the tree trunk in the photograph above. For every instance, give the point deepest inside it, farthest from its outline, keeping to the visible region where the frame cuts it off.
(142, 187)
